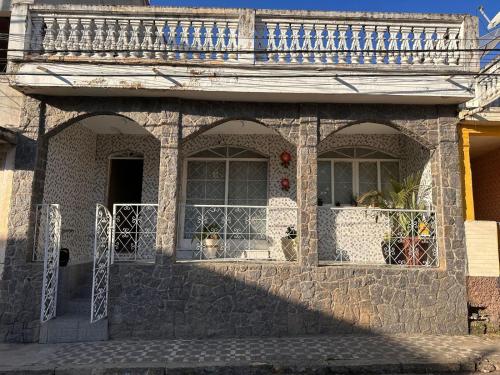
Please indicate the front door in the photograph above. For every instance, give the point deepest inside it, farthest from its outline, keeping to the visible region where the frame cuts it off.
(125, 192)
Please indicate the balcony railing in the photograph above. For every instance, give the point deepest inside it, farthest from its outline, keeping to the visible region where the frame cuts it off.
(134, 232)
(237, 232)
(487, 88)
(164, 34)
(355, 235)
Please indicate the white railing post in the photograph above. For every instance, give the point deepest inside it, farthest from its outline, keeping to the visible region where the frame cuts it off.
(21, 29)
(246, 36)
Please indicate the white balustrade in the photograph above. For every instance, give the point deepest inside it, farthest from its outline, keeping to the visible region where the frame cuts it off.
(148, 38)
(487, 88)
(358, 43)
(227, 35)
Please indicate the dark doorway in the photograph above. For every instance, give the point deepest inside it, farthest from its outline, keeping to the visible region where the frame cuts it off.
(125, 181)
(125, 192)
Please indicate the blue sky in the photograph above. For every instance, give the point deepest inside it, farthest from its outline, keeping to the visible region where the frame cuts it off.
(433, 6)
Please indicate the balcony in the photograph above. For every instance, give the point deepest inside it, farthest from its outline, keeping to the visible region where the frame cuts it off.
(243, 54)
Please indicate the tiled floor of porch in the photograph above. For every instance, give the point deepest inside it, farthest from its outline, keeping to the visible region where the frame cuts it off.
(352, 353)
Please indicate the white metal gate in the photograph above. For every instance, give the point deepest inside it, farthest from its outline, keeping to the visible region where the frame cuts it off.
(48, 236)
(102, 259)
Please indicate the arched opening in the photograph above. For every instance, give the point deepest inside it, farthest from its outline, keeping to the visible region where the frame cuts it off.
(89, 162)
(375, 198)
(232, 195)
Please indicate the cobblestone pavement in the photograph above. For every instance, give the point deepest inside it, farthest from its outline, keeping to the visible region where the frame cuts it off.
(344, 349)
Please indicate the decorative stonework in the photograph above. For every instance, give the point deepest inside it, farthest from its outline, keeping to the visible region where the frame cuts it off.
(186, 300)
(248, 299)
(70, 182)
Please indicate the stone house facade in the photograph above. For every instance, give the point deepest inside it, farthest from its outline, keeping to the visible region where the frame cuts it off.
(210, 165)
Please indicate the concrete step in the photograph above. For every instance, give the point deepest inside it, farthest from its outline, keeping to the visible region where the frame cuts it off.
(73, 327)
(80, 306)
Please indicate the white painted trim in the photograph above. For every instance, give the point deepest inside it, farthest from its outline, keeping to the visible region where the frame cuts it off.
(355, 172)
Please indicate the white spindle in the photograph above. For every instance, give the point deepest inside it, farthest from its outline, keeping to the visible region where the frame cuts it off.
(111, 38)
(61, 42)
(123, 38)
(405, 45)
(342, 44)
(368, 49)
(159, 44)
(453, 45)
(135, 44)
(232, 43)
(99, 38)
(171, 44)
(147, 44)
(417, 54)
(196, 45)
(86, 43)
(307, 45)
(440, 45)
(184, 46)
(295, 43)
(429, 46)
(381, 51)
(75, 35)
(283, 43)
(393, 45)
(355, 44)
(220, 44)
(272, 29)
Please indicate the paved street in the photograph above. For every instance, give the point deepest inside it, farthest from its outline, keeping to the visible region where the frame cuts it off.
(347, 351)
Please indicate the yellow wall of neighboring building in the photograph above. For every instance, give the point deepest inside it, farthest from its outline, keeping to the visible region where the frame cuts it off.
(481, 238)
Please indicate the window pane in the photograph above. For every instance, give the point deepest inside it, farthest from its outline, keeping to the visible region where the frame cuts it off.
(368, 179)
(325, 182)
(342, 174)
(247, 183)
(205, 182)
(388, 171)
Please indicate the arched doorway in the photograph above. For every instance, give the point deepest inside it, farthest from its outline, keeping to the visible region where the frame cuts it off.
(108, 161)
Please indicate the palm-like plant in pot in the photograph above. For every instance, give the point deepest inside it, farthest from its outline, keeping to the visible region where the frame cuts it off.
(407, 222)
(209, 240)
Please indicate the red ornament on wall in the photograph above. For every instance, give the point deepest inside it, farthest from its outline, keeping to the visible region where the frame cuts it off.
(286, 158)
(285, 184)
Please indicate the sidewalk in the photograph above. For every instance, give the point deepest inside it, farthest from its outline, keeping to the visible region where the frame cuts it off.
(288, 355)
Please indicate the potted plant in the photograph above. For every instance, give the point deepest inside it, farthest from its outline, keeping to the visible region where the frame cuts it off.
(408, 229)
(209, 239)
(289, 244)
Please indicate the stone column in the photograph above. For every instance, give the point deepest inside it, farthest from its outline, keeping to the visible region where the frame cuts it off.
(168, 189)
(307, 194)
(27, 181)
(451, 228)
(21, 280)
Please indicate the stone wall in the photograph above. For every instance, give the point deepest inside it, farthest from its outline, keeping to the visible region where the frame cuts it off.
(171, 299)
(484, 292)
(248, 299)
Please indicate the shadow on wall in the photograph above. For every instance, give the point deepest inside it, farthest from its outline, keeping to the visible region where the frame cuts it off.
(187, 300)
